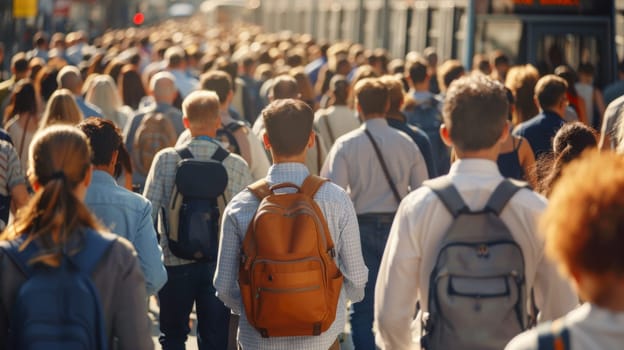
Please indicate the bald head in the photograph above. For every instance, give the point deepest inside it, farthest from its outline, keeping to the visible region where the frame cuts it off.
(284, 86)
(163, 87)
(69, 78)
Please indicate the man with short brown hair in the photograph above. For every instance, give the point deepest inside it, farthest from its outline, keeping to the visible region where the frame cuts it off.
(288, 137)
(550, 96)
(377, 165)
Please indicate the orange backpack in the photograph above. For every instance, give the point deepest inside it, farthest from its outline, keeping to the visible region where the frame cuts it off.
(288, 279)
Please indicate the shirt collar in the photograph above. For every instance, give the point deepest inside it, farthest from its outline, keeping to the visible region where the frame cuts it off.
(102, 177)
(287, 172)
(474, 166)
(375, 123)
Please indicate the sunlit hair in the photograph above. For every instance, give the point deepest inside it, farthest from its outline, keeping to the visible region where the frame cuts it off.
(61, 109)
(104, 94)
(288, 125)
(568, 144)
(521, 81)
(584, 221)
(59, 160)
(22, 100)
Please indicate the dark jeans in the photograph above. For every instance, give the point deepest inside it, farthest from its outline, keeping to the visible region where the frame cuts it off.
(188, 284)
(374, 230)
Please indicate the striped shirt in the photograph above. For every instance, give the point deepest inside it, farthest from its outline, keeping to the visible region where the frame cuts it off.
(340, 215)
(160, 182)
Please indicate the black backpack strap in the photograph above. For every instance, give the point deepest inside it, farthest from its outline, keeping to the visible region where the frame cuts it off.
(386, 172)
(95, 246)
(553, 336)
(184, 152)
(233, 126)
(502, 194)
(448, 194)
(220, 154)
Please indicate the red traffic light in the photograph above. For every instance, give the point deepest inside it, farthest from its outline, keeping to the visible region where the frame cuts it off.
(138, 18)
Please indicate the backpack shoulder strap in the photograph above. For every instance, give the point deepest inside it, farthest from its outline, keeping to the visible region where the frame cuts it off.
(553, 336)
(184, 152)
(96, 245)
(233, 126)
(448, 194)
(312, 184)
(502, 194)
(260, 189)
(220, 154)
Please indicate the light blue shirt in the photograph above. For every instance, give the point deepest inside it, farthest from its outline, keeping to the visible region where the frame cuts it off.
(342, 223)
(129, 215)
(88, 109)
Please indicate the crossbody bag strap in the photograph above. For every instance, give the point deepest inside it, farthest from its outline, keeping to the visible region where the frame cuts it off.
(395, 192)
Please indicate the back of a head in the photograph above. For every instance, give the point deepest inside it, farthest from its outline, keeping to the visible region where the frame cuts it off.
(69, 77)
(131, 87)
(104, 139)
(104, 94)
(521, 80)
(288, 125)
(416, 70)
(201, 108)
(217, 81)
(61, 109)
(340, 88)
(175, 56)
(59, 160)
(568, 74)
(284, 87)
(19, 63)
(475, 112)
(162, 85)
(586, 68)
(449, 71)
(395, 92)
(372, 96)
(549, 90)
(584, 223)
(22, 100)
(499, 58)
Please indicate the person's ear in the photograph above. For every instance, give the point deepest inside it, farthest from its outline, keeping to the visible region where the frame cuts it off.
(505, 133)
(186, 122)
(266, 141)
(87, 179)
(311, 139)
(445, 134)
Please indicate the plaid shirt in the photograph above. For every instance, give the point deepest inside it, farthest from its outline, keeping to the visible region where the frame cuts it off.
(160, 182)
(341, 220)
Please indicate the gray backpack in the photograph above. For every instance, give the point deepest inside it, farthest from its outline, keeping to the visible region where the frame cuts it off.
(477, 296)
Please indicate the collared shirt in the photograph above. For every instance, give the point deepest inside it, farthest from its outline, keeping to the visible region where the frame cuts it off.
(88, 109)
(539, 131)
(342, 223)
(161, 178)
(589, 326)
(184, 82)
(353, 165)
(250, 146)
(128, 215)
(334, 122)
(417, 231)
(174, 115)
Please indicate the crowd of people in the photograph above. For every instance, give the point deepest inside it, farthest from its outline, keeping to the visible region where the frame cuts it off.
(113, 135)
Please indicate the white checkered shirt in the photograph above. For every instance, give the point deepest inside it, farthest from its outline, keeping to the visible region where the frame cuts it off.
(161, 178)
(340, 215)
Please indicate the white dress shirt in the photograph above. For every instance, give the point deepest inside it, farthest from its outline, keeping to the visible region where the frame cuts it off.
(413, 246)
(589, 327)
(353, 165)
(334, 122)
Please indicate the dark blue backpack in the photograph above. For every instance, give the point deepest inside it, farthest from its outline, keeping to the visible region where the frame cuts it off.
(191, 221)
(426, 116)
(58, 308)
